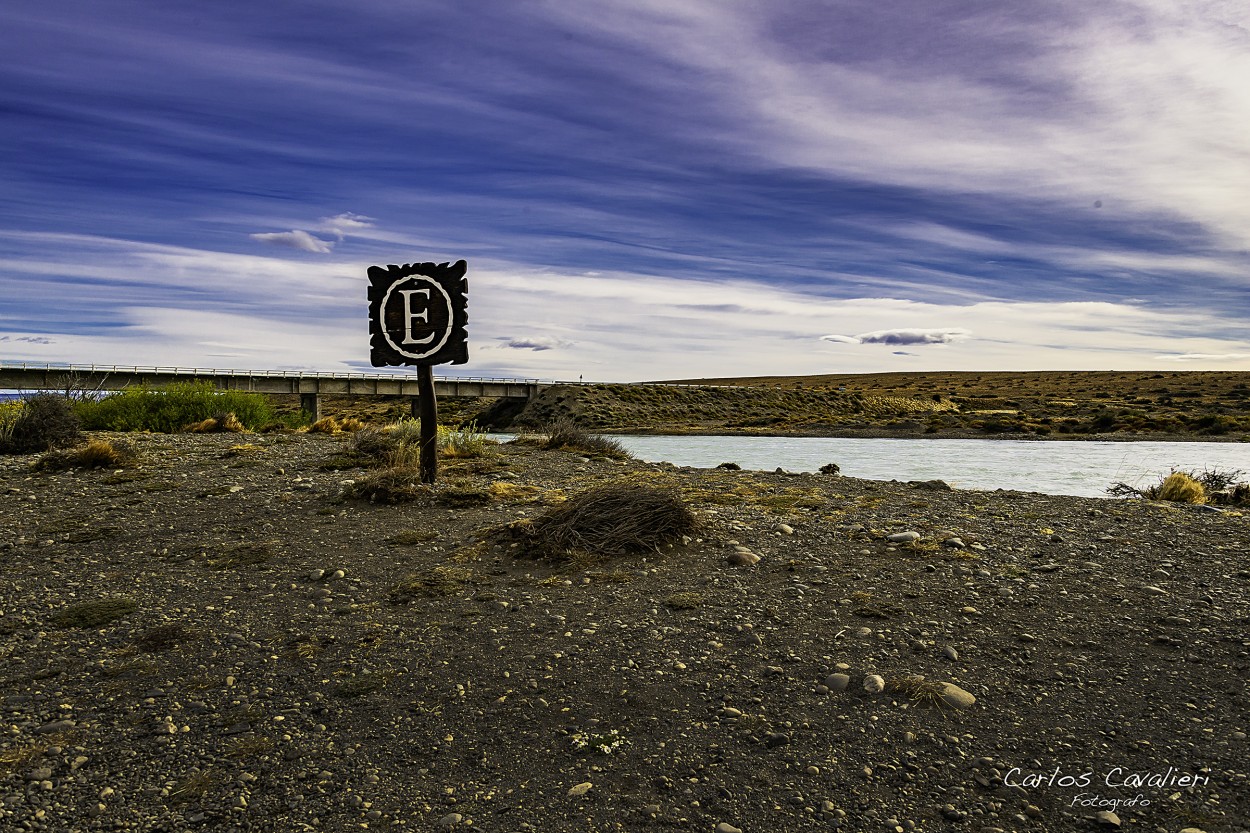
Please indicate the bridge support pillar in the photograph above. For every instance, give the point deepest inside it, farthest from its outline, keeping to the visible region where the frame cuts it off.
(309, 404)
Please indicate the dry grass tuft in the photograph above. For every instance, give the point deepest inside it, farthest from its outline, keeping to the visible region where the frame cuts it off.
(391, 485)
(244, 450)
(1179, 487)
(217, 424)
(688, 600)
(325, 425)
(616, 519)
(243, 555)
(161, 638)
(443, 580)
(94, 613)
(506, 492)
(97, 454)
(334, 426)
(566, 435)
(919, 690)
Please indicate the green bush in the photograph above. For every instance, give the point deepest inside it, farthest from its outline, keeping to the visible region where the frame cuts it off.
(43, 422)
(466, 441)
(171, 409)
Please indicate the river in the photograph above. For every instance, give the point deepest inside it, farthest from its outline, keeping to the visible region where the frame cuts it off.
(1052, 467)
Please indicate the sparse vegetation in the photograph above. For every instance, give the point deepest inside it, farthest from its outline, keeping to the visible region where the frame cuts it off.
(441, 580)
(243, 555)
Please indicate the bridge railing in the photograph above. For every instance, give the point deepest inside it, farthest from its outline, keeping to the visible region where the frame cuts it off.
(66, 367)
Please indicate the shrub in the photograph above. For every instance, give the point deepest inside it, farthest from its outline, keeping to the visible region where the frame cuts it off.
(170, 409)
(1210, 486)
(616, 519)
(97, 454)
(567, 435)
(9, 412)
(43, 422)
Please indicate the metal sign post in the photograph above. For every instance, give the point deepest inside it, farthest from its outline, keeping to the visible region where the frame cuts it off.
(417, 316)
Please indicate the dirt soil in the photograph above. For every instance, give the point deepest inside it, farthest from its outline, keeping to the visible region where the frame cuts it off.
(217, 639)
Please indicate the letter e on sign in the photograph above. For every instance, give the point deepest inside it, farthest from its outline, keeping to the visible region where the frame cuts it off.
(418, 313)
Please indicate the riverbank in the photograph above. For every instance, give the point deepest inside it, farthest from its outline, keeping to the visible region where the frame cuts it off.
(276, 656)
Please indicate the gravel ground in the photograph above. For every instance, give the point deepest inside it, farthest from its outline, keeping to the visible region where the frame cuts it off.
(218, 640)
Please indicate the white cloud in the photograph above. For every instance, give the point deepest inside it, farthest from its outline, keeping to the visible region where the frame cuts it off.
(905, 336)
(189, 307)
(536, 343)
(296, 239)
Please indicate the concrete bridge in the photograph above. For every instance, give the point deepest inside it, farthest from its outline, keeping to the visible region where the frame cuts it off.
(308, 385)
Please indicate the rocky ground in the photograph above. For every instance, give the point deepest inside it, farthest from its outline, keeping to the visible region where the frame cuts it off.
(217, 639)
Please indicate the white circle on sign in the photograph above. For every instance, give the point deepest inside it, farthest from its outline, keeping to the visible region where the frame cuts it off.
(451, 316)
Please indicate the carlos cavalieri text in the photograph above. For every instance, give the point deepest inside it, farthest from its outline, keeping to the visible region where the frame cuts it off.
(1114, 777)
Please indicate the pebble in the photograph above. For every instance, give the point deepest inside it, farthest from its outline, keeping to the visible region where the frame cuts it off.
(1153, 590)
(1107, 818)
(744, 559)
(950, 653)
(725, 827)
(956, 697)
(956, 543)
(580, 789)
(838, 682)
(785, 529)
(903, 537)
(450, 820)
(874, 684)
(316, 575)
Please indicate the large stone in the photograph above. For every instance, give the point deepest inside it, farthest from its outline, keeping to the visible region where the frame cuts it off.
(956, 697)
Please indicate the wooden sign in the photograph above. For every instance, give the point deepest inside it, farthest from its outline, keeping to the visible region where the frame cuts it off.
(418, 313)
(417, 316)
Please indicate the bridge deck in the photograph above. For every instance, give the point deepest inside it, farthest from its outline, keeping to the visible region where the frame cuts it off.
(32, 376)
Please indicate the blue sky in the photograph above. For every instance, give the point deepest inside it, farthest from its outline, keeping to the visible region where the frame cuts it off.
(643, 189)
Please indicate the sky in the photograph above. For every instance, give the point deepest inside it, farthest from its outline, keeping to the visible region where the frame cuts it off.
(643, 189)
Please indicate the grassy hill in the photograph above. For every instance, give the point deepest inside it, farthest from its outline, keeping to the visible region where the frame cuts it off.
(1054, 404)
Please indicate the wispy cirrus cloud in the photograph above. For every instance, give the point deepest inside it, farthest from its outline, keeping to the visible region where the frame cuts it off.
(1203, 357)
